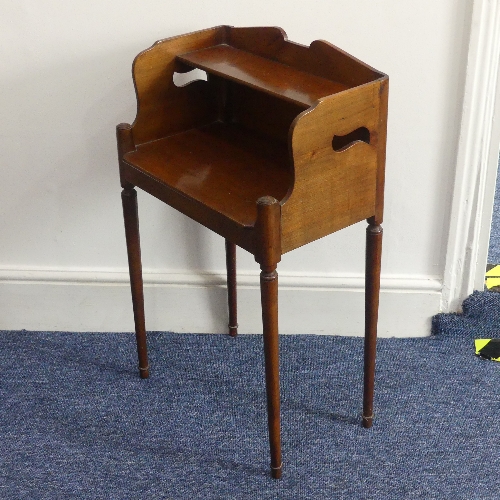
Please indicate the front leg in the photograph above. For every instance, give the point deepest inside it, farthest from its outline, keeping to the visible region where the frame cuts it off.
(268, 254)
(372, 291)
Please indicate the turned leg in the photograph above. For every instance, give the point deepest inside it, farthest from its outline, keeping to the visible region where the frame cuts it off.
(268, 223)
(130, 216)
(372, 289)
(231, 287)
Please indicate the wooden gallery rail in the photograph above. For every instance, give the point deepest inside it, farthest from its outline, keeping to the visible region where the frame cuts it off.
(280, 145)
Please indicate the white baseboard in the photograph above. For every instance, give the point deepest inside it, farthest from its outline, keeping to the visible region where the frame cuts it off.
(99, 300)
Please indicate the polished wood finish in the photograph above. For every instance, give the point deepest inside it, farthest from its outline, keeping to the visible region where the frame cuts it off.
(130, 216)
(321, 58)
(281, 145)
(231, 288)
(162, 108)
(264, 114)
(264, 74)
(372, 276)
(269, 254)
(221, 166)
(332, 189)
(381, 140)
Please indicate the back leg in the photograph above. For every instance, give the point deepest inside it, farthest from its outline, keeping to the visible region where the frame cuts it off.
(131, 219)
(231, 287)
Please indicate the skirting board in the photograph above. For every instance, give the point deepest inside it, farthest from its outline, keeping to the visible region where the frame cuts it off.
(99, 301)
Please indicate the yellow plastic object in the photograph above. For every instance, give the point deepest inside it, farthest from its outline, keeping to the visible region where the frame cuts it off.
(491, 282)
(492, 350)
(494, 271)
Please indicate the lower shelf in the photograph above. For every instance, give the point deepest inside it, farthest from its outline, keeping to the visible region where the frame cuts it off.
(223, 166)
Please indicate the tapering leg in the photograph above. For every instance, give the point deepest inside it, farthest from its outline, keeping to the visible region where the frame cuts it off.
(130, 216)
(268, 255)
(231, 287)
(372, 290)
(269, 299)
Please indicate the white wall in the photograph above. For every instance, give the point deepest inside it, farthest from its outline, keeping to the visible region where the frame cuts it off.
(65, 83)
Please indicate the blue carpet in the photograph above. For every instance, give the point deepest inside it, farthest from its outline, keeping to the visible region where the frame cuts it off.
(494, 249)
(77, 422)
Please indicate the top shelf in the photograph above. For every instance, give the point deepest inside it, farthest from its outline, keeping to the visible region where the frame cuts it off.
(263, 74)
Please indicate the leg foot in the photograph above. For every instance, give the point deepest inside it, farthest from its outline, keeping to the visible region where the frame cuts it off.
(144, 372)
(367, 421)
(276, 472)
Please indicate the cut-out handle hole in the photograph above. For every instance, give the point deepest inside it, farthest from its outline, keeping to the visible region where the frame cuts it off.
(183, 79)
(342, 142)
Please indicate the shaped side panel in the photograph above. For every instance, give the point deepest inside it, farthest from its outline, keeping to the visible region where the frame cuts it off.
(334, 189)
(162, 108)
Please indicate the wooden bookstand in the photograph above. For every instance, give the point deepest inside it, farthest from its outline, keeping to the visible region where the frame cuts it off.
(282, 144)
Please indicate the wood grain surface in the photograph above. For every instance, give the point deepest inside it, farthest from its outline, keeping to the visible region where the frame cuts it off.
(283, 144)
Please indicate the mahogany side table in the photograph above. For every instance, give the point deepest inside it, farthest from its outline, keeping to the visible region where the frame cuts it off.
(282, 144)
